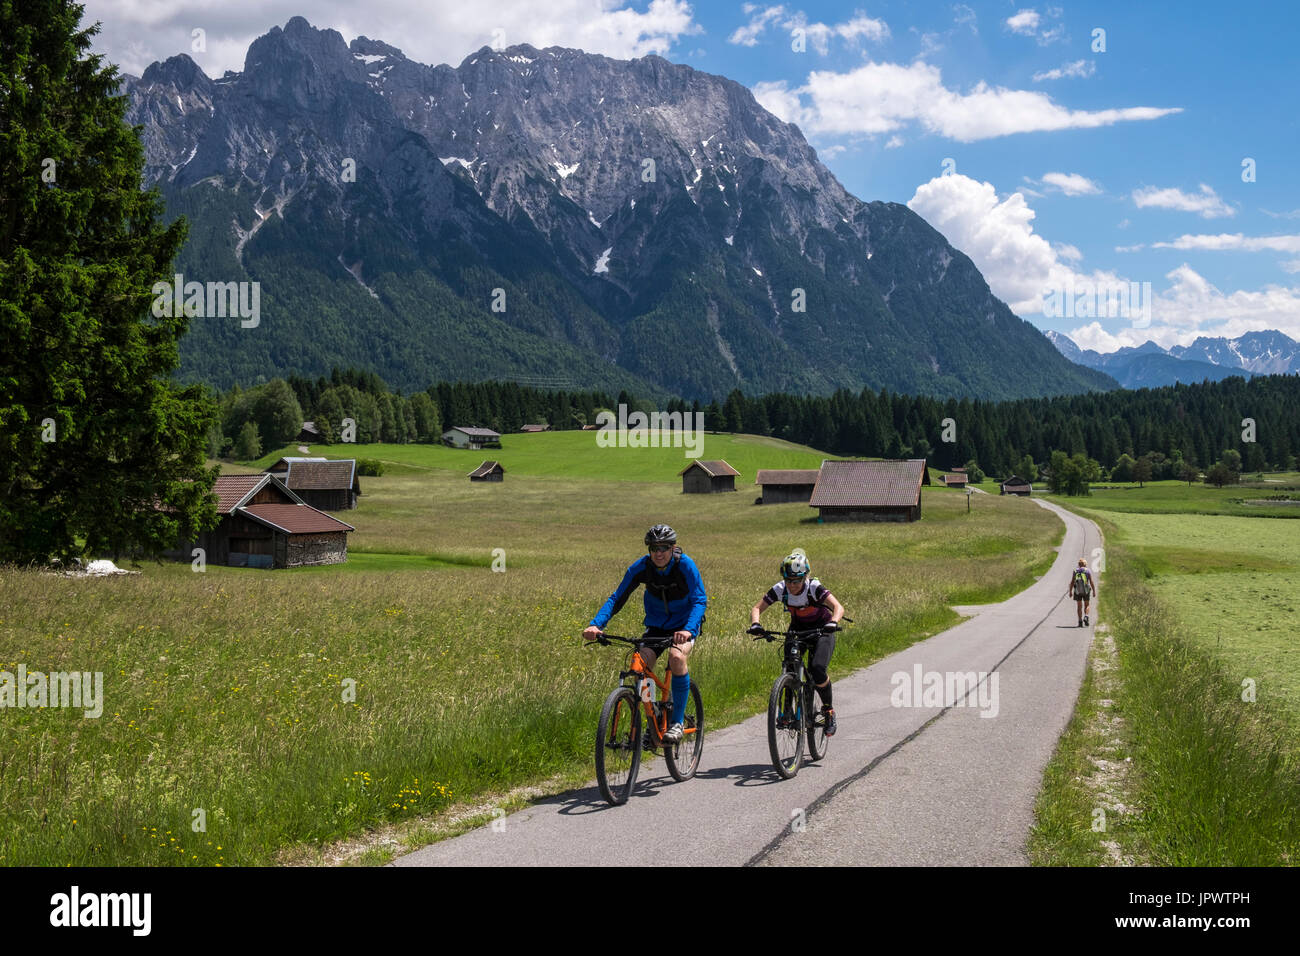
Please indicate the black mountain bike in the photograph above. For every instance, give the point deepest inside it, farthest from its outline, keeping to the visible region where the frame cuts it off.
(792, 714)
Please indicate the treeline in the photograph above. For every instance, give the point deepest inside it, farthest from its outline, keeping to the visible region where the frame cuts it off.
(1167, 431)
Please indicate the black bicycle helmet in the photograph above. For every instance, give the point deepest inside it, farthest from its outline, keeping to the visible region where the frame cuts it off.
(660, 534)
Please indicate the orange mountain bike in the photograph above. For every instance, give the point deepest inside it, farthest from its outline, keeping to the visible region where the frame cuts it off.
(619, 738)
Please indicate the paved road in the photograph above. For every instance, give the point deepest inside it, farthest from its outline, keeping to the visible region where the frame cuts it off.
(918, 784)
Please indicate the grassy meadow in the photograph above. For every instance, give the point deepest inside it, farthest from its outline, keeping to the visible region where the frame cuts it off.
(231, 691)
(1203, 694)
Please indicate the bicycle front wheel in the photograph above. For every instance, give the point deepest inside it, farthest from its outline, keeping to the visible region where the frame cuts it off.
(817, 739)
(618, 745)
(785, 725)
(683, 758)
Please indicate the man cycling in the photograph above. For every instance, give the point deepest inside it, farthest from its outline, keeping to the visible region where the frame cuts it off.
(674, 606)
(811, 607)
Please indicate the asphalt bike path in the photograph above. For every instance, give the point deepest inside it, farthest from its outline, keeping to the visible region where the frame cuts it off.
(924, 781)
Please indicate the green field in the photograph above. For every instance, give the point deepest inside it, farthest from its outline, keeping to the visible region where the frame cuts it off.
(1200, 707)
(1232, 585)
(226, 691)
(575, 454)
(1278, 496)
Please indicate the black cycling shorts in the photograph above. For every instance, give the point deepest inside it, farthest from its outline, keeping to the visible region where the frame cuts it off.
(819, 656)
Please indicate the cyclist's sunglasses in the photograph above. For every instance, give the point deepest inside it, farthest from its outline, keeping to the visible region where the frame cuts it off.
(794, 577)
(660, 548)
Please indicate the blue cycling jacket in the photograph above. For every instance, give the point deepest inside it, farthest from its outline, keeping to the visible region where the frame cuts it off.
(674, 597)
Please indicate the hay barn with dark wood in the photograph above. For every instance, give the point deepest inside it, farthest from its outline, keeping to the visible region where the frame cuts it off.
(265, 525)
(781, 485)
(955, 481)
(1015, 485)
(330, 484)
(869, 490)
(488, 471)
(702, 477)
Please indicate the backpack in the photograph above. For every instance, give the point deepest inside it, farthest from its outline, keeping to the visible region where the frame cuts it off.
(1081, 583)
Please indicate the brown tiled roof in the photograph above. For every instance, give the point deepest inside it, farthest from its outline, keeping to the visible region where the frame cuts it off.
(295, 519)
(536, 428)
(868, 484)
(232, 489)
(786, 476)
(713, 467)
(305, 474)
(955, 479)
(1015, 481)
(486, 468)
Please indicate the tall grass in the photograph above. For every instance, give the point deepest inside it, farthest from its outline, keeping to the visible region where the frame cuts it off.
(1215, 778)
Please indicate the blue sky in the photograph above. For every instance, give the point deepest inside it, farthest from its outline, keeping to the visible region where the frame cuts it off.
(1072, 168)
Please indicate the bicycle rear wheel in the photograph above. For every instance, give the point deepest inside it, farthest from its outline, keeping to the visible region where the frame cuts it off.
(785, 725)
(817, 739)
(683, 758)
(618, 745)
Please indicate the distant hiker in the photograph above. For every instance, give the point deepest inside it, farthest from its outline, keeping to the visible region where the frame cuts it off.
(674, 607)
(1082, 588)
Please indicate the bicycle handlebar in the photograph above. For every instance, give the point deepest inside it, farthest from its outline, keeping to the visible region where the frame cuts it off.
(604, 640)
(817, 632)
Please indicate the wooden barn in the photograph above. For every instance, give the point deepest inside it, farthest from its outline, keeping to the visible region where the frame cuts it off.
(955, 480)
(1015, 485)
(265, 525)
(330, 484)
(780, 485)
(702, 477)
(309, 433)
(535, 428)
(488, 471)
(471, 438)
(870, 490)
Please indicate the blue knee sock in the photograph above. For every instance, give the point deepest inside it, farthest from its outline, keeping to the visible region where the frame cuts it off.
(681, 690)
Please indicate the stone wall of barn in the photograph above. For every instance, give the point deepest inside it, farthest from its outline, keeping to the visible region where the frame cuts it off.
(330, 547)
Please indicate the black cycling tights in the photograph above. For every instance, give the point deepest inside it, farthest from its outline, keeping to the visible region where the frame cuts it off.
(819, 660)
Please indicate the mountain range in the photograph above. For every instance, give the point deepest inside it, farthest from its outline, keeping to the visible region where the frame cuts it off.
(1206, 359)
(556, 217)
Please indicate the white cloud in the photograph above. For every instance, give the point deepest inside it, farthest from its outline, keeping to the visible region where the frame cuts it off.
(1029, 23)
(857, 28)
(965, 16)
(1291, 265)
(1123, 224)
(1072, 184)
(1233, 241)
(759, 21)
(1018, 264)
(894, 142)
(1293, 214)
(1025, 22)
(1021, 266)
(1138, 248)
(1207, 202)
(138, 32)
(883, 97)
(1191, 306)
(1082, 68)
